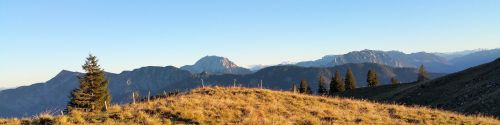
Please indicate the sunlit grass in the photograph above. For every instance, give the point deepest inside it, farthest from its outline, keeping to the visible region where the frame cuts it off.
(224, 105)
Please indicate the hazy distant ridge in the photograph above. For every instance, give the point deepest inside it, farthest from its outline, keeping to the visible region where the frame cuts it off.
(435, 62)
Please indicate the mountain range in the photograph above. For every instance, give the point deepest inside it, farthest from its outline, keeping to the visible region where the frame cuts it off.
(435, 62)
(52, 95)
(474, 90)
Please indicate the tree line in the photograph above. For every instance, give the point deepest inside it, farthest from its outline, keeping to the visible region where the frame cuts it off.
(339, 84)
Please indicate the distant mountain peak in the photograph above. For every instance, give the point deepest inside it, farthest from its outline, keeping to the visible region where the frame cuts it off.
(257, 67)
(63, 73)
(217, 65)
(218, 60)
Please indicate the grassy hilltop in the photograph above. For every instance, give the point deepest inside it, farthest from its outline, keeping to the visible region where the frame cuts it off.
(220, 105)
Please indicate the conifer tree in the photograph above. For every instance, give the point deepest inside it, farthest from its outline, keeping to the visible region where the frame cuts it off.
(322, 86)
(336, 85)
(422, 74)
(350, 80)
(304, 88)
(92, 94)
(372, 78)
(394, 80)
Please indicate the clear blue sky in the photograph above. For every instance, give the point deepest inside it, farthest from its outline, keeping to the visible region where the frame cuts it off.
(40, 38)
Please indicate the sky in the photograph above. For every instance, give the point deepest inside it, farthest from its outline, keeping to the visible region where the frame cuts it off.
(38, 39)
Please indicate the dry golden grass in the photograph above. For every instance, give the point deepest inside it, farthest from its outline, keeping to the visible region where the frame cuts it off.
(222, 105)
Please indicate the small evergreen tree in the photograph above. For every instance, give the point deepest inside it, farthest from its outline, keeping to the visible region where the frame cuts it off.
(422, 74)
(350, 80)
(304, 88)
(322, 86)
(372, 78)
(92, 94)
(336, 85)
(394, 80)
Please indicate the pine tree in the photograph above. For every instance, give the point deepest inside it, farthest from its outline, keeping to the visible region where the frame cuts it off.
(304, 88)
(336, 85)
(422, 74)
(322, 86)
(294, 88)
(372, 78)
(394, 81)
(350, 80)
(92, 94)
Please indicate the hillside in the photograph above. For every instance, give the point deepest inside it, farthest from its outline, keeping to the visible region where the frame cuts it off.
(218, 105)
(475, 90)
